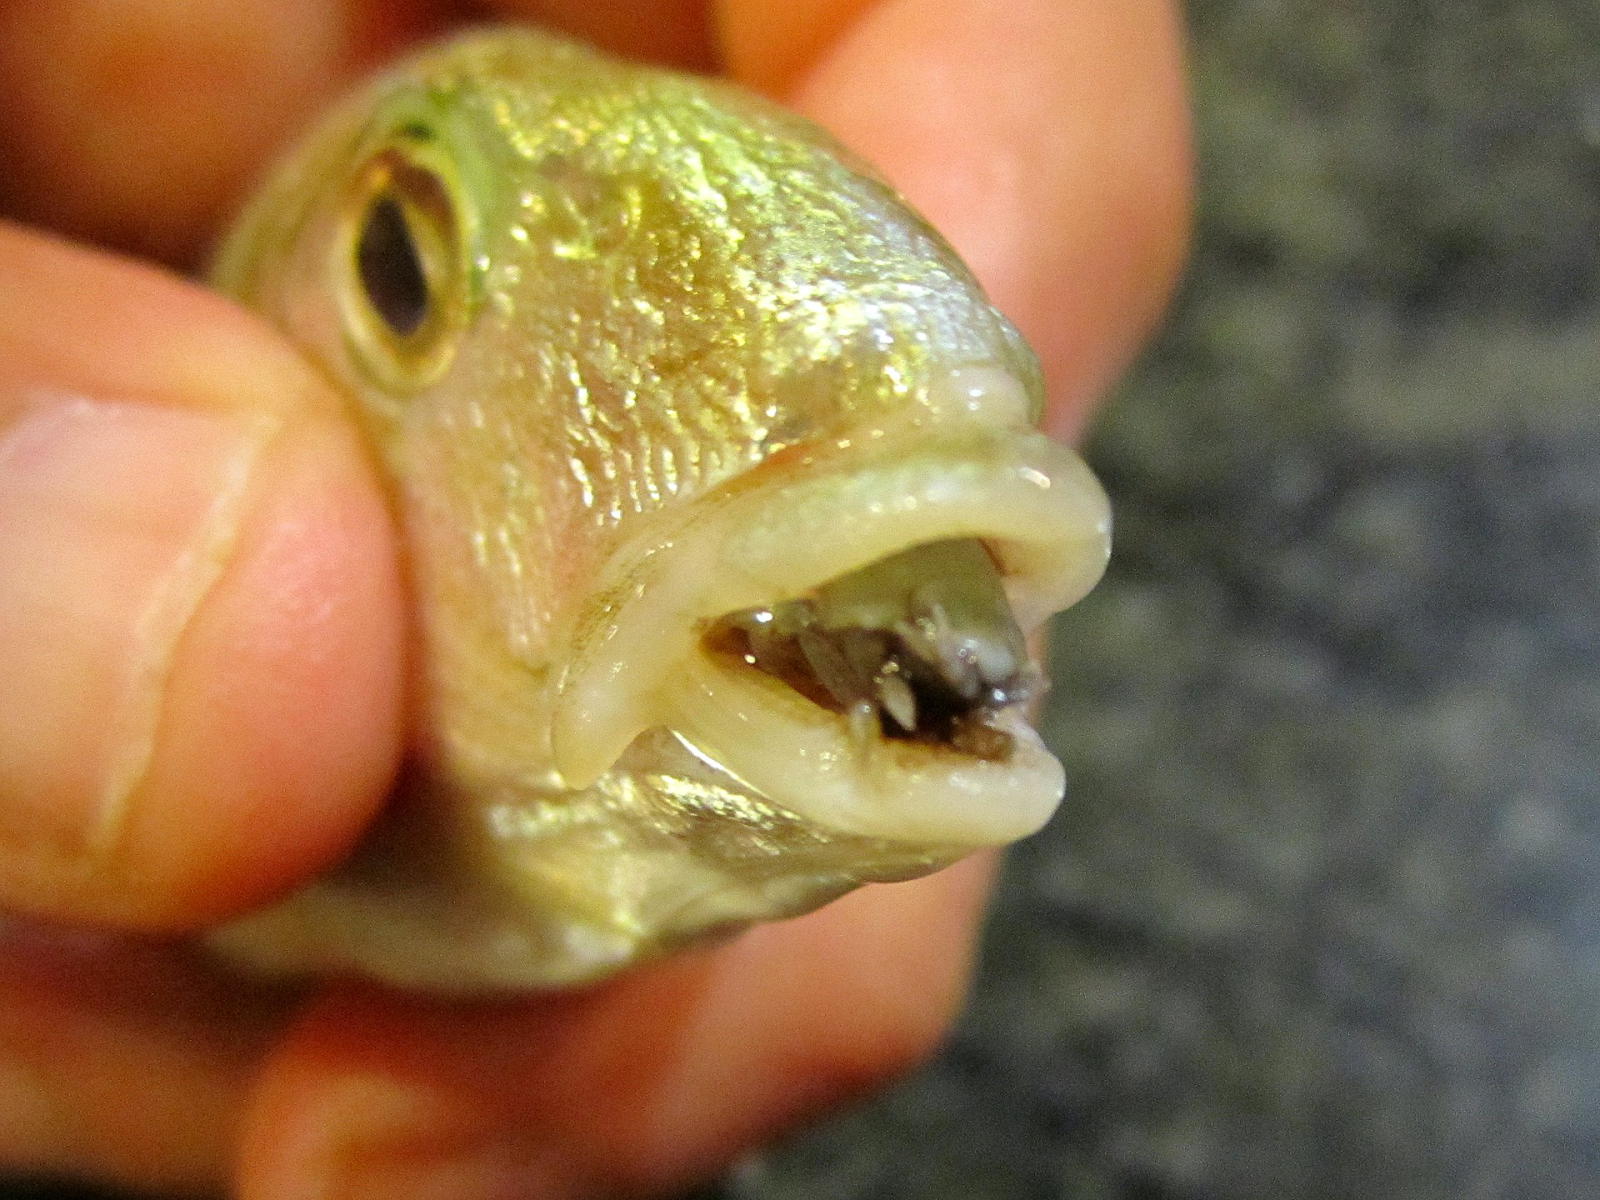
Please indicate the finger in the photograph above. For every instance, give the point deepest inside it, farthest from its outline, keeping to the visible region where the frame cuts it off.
(137, 124)
(674, 33)
(1048, 141)
(642, 1084)
(203, 620)
(771, 47)
(123, 1063)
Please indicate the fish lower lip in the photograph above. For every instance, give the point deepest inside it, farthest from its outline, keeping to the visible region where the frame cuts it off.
(804, 758)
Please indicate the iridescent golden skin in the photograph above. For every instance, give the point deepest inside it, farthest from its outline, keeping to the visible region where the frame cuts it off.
(638, 351)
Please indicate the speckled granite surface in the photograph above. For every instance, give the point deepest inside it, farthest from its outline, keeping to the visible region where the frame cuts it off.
(1322, 917)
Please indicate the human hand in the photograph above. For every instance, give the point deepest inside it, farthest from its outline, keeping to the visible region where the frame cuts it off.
(203, 621)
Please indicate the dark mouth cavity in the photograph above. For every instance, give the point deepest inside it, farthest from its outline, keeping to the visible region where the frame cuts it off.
(920, 646)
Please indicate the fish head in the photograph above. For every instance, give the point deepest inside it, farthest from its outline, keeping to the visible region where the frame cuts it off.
(655, 368)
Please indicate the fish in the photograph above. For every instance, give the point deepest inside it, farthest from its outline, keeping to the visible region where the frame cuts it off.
(725, 516)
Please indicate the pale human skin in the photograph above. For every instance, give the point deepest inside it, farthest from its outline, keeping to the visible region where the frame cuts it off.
(1048, 139)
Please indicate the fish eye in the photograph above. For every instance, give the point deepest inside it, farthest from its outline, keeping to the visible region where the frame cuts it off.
(390, 266)
(403, 262)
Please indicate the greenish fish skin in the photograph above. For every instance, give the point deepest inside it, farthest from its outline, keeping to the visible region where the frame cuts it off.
(682, 355)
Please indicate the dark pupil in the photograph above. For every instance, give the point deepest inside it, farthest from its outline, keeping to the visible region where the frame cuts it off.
(390, 267)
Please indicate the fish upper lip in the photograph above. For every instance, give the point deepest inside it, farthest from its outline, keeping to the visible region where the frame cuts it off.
(756, 541)
(1024, 494)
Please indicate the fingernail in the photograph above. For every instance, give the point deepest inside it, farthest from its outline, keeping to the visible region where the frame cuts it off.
(115, 520)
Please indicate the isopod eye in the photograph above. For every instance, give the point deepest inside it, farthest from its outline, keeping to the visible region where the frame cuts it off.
(405, 294)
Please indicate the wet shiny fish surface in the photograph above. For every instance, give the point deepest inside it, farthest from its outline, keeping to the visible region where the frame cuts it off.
(724, 512)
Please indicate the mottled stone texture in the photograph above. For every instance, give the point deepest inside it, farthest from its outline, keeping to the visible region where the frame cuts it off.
(1321, 918)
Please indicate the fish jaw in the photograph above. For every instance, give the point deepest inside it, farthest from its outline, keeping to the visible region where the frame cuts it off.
(800, 519)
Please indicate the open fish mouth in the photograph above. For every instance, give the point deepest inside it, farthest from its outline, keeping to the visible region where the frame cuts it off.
(919, 646)
(842, 629)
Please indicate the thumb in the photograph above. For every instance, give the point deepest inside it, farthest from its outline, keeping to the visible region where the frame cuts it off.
(200, 617)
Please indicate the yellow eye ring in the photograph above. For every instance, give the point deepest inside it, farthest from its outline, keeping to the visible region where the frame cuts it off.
(403, 265)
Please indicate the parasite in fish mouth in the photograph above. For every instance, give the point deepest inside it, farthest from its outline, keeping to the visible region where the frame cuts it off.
(919, 646)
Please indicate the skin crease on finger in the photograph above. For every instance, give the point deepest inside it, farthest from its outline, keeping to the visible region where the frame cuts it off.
(274, 729)
(709, 1052)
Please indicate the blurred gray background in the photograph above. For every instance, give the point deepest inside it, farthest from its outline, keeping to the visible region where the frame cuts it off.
(1321, 916)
